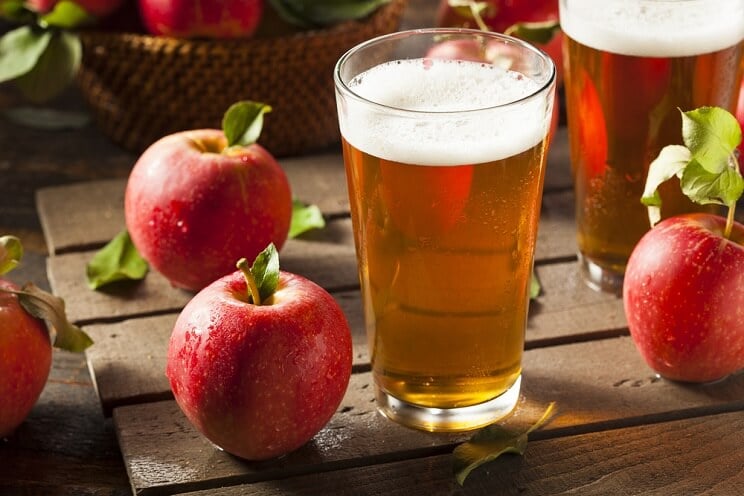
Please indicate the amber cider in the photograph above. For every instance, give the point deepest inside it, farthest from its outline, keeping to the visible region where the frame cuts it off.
(630, 68)
(445, 209)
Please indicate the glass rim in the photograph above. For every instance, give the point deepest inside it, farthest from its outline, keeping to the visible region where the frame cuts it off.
(344, 88)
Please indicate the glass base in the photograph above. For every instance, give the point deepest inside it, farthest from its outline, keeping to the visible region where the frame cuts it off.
(448, 419)
(600, 278)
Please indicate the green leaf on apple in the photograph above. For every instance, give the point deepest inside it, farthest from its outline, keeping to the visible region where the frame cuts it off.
(11, 253)
(304, 218)
(50, 308)
(66, 15)
(492, 441)
(243, 121)
(266, 271)
(262, 277)
(20, 50)
(534, 32)
(119, 260)
(319, 13)
(706, 166)
(712, 134)
(54, 69)
(671, 161)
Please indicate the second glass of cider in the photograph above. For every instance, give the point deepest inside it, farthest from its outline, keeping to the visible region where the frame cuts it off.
(445, 161)
(631, 66)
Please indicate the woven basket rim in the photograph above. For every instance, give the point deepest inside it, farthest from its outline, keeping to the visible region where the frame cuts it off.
(157, 42)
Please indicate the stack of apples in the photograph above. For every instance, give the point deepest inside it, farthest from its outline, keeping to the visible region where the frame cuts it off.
(197, 202)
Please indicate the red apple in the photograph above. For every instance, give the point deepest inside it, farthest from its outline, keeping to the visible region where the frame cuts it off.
(96, 8)
(201, 19)
(501, 14)
(194, 205)
(25, 360)
(683, 298)
(260, 378)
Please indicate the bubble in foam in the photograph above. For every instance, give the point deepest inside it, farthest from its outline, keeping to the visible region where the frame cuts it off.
(654, 28)
(460, 110)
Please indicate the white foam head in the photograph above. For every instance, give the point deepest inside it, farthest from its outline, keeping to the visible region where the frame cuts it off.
(443, 112)
(654, 28)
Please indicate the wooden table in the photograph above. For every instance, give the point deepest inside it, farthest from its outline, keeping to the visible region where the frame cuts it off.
(106, 422)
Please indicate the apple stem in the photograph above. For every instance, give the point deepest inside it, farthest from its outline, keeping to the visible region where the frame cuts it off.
(729, 221)
(253, 293)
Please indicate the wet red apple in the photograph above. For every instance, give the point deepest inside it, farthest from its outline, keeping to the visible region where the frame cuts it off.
(203, 19)
(194, 205)
(683, 298)
(260, 377)
(25, 360)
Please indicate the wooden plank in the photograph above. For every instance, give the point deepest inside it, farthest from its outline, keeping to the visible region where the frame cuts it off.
(646, 460)
(81, 216)
(568, 310)
(136, 348)
(556, 231)
(596, 385)
(87, 215)
(327, 257)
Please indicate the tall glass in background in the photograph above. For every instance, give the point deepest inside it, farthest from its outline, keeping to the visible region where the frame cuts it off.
(445, 165)
(630, 66)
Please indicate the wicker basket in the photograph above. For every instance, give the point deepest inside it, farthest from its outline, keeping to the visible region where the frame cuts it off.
(141, 87)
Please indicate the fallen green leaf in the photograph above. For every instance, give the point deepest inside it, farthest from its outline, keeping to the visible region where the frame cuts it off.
(492, 441)
(304, 218)
(534, 286)
(119, 260)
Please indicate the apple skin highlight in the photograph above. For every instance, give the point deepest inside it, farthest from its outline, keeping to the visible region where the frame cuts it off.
(683, 298)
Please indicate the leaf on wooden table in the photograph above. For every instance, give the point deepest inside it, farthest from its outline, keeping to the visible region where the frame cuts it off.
(492, 441)
(304, 218)
(119, 260)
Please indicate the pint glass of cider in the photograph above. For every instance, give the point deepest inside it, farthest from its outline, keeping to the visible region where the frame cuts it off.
(445, 162)
(631, 66)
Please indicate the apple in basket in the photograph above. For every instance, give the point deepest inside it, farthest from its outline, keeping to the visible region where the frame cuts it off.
(96, 8)
(196, 201)
(503, 16)
(203, 19)
(25, 343)
(259, 360)
(684, 283)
